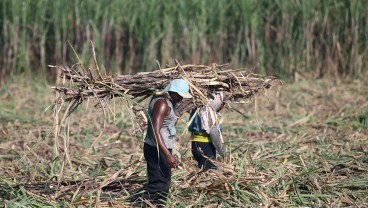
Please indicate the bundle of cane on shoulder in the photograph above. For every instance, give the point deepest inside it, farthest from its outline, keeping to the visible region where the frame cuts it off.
(80, 84)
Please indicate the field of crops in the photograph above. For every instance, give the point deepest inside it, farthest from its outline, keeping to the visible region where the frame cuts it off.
(284, 36)
(301, 144)
(304, 144)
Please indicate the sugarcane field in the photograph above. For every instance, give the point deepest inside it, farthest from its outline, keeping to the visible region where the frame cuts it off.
(196, 103)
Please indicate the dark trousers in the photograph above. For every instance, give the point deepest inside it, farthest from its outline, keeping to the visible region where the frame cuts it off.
(201, 152)
(158, 173)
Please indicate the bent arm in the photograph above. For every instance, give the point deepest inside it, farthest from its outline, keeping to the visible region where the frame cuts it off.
(161, 109)
(216, 139)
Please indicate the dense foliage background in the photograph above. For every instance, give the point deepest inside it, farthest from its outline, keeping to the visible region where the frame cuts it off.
(284, 36)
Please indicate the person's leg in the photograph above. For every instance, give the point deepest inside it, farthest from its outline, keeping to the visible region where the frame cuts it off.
(158, 174)
(201, 152)
(196, 152)
(209, 152)
(212, 152)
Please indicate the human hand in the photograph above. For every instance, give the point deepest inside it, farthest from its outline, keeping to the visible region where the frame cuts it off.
(171, 161)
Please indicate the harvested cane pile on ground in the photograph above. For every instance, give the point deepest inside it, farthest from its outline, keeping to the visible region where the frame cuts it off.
(312, 153)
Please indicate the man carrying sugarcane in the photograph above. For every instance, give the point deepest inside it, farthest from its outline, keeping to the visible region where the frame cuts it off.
(206, 132)
(159, 140)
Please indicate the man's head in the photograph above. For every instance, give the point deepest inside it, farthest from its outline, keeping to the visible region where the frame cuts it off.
(178, 89)
(218, 101)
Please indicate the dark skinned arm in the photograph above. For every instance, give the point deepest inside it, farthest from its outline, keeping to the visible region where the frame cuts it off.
(161, 109)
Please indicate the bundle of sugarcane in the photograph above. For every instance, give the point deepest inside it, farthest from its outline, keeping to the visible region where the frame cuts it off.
(237, 84)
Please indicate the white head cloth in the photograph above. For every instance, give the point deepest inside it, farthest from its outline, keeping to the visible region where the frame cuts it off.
(208, 114)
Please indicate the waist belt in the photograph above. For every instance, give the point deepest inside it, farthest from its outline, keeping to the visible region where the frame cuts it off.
(200, 137)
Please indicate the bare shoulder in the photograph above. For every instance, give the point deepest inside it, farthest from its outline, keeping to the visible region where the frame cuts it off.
(162, 105)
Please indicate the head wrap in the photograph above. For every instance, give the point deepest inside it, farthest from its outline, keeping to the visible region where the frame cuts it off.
(217, 101)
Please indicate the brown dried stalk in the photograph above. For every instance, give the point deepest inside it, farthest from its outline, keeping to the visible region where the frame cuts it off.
(237, 84)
